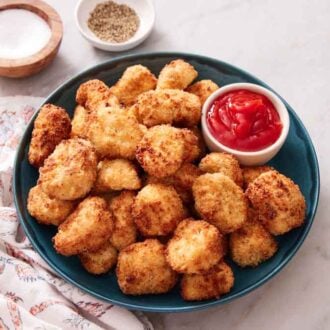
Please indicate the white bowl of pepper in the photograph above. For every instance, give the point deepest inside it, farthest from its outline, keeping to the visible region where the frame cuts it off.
(115, 25)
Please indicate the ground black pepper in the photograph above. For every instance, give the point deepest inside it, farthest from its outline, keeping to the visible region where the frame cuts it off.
(113, 22)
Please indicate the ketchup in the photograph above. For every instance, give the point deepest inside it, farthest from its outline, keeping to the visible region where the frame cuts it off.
(244, 120)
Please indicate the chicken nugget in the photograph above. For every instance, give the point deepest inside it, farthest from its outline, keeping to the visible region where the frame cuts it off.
(136, 80)
(86, 229)
(221, 162)
(70, 171)
(161, 152)
(142, 269)
(100, 261)
(216, 282)
(125, 231)
(250, 173)
(182, 181)
(177, 74)
(157, 210)
(113, 133)
(220, 201)
(195, 247)
(279, 202)
(251, 245)
(46, 210)
(51, 126)
(94, 93)
(203, 89)
(80, 122)
(168, 107)
(116, 174)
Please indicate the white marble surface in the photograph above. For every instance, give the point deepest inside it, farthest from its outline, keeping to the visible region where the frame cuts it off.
(285, 43)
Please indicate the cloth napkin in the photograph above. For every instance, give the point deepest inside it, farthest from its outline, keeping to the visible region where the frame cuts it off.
(31, 295)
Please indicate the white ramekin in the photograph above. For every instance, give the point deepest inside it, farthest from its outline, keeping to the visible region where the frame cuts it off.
(248, 158)
(144, 9)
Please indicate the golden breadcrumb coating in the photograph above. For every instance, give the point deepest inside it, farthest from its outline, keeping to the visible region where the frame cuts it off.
(182, 181)
(46, 210)
(95, 93)
(177, 74)
(80, 122)
(278, 201)
(168, 106)
(51, 126)
(161, 152)
(251, 245)
(203, 89)
(116, 174)
(250, 173)
(221, 162)
(216, 282)
(125, 231)
(100, 261)
(113, 133)
(86, 229)
(201, 143)
(220, 201)
(195, 247)
(136, 80)
(157, 210)
(70, 171)
(192, 150)
(142, 269)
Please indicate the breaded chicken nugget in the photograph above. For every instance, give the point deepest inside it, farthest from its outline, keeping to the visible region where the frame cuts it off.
(136, 80)
(157, 210)
(100, 261)
(195, 247)
(116, 174)
(168, 106)
(203, 89)
(161, 151)
(46, 210)
(216, 282)
(142, 269)
(70, 171)
(86, 229)
(252, 244)
(95, 93)
(177, 74)
(80, 122)
(278, 201)
(182, 181)
(250, 173)
(51, 126)
(113, 133)
(220, 201)
(125, 231)
(221, 162)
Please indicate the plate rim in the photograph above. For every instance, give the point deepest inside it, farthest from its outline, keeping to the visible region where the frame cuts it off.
(204, 304)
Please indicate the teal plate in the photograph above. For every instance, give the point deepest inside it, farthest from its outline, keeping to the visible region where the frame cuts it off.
(297, 160)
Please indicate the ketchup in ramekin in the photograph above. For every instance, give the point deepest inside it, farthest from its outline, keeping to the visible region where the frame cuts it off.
(244, 120)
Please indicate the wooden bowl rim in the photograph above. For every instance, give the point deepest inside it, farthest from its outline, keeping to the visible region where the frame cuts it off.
(53, 20)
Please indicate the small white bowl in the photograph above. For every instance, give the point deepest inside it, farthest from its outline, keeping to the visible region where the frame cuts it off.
(248, 158)
(144, 9)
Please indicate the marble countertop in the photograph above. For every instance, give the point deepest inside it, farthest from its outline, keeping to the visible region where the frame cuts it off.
(284, 43)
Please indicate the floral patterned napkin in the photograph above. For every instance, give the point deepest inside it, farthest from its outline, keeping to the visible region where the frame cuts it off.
(31, 295)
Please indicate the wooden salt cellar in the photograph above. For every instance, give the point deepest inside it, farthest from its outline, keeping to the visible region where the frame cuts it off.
(30, 65)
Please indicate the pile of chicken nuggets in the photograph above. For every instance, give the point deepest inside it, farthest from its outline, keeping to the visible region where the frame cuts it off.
(132, 187)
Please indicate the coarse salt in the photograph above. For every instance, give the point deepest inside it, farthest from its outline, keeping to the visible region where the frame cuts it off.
(22, 33)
